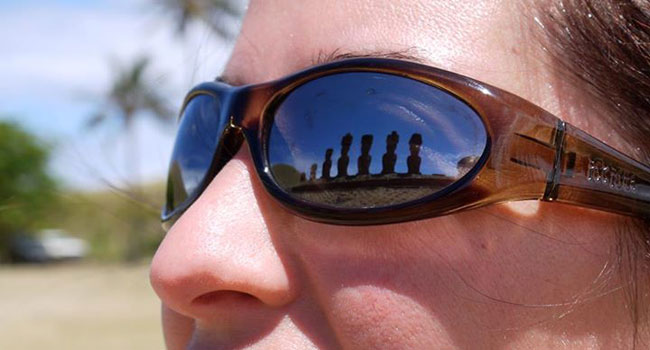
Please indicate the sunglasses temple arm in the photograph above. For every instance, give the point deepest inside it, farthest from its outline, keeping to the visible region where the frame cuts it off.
(589, 173)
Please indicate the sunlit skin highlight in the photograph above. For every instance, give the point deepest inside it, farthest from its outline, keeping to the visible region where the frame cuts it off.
(237, 271)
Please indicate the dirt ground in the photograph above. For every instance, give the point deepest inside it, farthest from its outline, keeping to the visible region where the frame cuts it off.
(76, 307)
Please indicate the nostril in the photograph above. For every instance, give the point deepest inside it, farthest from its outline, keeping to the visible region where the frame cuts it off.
(224, 297)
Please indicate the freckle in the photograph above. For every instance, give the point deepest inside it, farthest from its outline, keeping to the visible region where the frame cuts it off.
(484, 246)
(514, 50)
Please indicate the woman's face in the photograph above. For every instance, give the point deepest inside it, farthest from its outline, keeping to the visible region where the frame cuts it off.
(238, 271)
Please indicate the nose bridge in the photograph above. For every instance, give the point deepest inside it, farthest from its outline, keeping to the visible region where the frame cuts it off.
(246, 105)
(233, 99)
(232, 140)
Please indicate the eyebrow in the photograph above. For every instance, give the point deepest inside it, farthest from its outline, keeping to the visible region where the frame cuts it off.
(410, 54)
(324, 57)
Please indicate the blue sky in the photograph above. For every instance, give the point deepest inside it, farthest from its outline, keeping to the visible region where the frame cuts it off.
(57, 57)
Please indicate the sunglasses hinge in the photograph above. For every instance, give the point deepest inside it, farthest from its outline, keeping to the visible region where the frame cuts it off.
(552, 183)
(231, 122)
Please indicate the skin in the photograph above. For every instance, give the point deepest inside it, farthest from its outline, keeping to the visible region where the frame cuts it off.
(237, 271)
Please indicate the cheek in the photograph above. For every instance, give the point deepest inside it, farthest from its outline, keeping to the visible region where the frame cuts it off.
(386, 287)
(372, 317)
(464, 278)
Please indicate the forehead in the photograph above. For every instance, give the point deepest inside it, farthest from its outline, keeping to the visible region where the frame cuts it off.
(281, 36)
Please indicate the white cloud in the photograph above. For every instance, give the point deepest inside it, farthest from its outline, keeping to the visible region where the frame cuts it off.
(445, 164)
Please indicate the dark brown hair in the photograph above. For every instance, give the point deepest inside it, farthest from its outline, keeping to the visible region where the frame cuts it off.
(603, 47)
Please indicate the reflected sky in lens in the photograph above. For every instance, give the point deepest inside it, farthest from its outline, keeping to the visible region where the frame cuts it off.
(317, 115)
(195, 144)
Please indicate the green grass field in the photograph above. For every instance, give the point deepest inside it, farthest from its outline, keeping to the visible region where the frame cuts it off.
(76, 306)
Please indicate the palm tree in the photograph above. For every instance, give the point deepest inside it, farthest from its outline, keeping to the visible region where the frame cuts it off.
(214, 13)
(132, 94)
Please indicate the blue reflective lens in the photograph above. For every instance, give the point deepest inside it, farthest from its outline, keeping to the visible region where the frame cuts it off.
(196, 141)
(365, 140)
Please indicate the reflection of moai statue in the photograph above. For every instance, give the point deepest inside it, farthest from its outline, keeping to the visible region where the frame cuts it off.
(312, 172)
(363, 163)
(327, 164)
(390, 158)
(413, 161)
(465, 164)
(344, 159)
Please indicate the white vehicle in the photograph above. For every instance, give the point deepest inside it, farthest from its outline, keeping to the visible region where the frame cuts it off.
(48, 245)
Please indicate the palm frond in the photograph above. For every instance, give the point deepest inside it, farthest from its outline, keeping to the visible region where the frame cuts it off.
(132, 93)
(95, 119)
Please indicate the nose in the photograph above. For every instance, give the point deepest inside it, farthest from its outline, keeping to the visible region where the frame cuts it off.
(220, 253)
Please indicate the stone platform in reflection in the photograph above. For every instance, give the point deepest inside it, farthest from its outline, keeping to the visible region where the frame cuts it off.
(368, 191)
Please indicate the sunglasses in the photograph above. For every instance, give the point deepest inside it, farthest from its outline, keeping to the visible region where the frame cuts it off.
(374, 141)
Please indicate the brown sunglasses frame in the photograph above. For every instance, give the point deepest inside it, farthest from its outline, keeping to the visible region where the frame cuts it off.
(530, 154)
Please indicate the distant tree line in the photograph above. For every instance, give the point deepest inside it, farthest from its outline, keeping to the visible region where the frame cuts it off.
(27, 191)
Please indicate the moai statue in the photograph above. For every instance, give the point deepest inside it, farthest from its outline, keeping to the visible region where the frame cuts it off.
(327, 164)
(466, 164)
(312, 172)
(344, 159)
(390, 158)
(413, 161)
(303, 177)
(363, 163)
